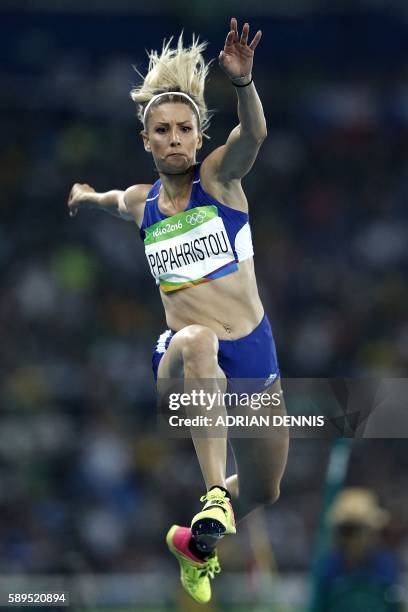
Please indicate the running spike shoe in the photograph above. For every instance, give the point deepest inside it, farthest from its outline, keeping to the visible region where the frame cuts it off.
(216, 519)
(195, 573)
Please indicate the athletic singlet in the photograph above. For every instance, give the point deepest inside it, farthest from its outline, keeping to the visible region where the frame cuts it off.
(204, 242)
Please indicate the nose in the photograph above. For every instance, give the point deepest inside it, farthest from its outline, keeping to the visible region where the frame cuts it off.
(175, 137)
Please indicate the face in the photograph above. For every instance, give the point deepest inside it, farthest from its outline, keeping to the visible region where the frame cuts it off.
(172, 137)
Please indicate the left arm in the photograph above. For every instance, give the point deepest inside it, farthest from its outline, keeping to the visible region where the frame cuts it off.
(235, 159)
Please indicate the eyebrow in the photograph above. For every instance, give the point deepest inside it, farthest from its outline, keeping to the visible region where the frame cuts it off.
(178, 122)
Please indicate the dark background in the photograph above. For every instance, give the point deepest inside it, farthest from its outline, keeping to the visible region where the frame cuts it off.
(86, 485)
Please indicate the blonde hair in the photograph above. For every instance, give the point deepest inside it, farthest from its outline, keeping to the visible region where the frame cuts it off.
(178, 69)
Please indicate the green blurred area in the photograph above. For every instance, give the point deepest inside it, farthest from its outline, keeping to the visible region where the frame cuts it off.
(263, 608)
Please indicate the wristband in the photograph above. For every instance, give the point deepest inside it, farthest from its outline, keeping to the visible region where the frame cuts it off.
(246, 84)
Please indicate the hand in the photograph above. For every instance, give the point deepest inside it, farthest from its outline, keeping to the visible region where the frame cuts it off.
(237, 57)
(77, 197)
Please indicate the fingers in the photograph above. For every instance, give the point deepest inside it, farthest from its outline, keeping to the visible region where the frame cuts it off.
(73, 210)
(234, 28)
(233, 37)
(244, 35)
(230, 39)
(255, 40)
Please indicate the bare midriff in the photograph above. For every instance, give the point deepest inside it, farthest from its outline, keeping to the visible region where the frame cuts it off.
(230, 305)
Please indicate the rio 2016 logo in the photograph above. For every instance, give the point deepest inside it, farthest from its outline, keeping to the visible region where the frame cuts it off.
(167, 228)
(196, 217)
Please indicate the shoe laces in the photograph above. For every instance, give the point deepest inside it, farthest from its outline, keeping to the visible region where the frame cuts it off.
(211, 567)
(208, 569)
(214, 494)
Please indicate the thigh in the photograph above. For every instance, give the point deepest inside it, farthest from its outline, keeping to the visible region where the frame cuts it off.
(261, 461)
(172, 363)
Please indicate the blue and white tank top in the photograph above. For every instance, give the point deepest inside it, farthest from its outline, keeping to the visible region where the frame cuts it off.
(204, 242)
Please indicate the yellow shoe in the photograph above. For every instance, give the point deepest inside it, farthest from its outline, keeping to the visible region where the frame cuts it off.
(195, 574)
(216, 519)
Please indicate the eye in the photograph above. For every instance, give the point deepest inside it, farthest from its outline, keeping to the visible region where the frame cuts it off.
(186, 128)
(160, 130)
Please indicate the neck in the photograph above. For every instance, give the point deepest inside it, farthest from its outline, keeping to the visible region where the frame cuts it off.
(176, 187)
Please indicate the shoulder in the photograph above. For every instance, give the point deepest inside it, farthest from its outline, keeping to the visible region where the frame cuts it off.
(134, 199)
(228, 192)
(136, 195)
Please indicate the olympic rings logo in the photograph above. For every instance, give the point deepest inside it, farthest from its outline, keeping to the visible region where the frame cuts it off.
(197, 217)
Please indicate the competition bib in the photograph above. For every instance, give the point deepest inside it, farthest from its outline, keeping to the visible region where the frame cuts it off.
(189, 248)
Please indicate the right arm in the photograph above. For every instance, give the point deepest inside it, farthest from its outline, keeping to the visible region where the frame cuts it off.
(128, 205)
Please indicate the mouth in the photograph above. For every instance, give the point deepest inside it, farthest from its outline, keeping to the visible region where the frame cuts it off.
(176, 155)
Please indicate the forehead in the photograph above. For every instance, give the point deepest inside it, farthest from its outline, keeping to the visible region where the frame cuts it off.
(170, 112)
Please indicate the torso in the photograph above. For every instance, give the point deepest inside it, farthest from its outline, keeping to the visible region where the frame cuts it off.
(229, 305)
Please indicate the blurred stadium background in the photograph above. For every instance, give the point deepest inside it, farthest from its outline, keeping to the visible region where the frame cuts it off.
(85, 496)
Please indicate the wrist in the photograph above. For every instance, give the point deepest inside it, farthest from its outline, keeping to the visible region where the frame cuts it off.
(87, 200)
(242, 81)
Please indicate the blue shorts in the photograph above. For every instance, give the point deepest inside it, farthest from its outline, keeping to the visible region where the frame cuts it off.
(251, 357)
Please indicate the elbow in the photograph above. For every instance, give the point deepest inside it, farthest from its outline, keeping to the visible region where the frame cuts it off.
(262, 136)
(259, 135)
(263, 133)
(255, 133)
(258, 138)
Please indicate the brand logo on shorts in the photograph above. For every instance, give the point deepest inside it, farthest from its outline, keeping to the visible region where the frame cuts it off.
(271, 378)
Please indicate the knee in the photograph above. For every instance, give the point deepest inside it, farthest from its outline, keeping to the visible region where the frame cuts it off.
(264, 494)
(199, 343)
(274, 495)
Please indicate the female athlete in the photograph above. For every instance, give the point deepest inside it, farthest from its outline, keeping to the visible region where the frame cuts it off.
(194, 223)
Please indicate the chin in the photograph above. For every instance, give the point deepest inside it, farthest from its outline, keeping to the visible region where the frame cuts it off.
(180, 166)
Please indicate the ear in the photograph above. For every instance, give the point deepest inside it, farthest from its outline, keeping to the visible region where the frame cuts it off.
(199, 140)
(146, 141)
